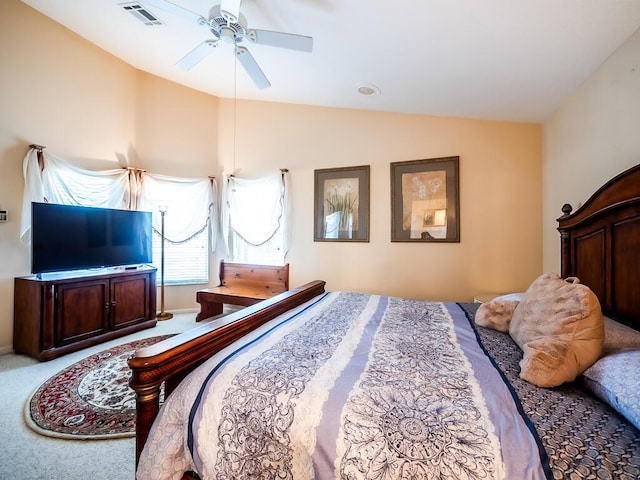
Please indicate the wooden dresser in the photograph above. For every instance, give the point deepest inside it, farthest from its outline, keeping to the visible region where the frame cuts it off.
(58, 313)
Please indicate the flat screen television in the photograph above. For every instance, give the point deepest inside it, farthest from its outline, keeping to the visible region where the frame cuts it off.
(70, 237)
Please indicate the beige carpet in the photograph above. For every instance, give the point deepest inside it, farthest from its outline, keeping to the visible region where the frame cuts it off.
(25, 455)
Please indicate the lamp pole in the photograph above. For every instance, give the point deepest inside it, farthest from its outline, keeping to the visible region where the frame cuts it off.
(162, 315)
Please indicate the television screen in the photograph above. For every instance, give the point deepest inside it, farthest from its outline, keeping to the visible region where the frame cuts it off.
(69, 237)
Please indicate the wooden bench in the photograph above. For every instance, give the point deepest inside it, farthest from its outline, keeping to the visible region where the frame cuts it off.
(242, 284)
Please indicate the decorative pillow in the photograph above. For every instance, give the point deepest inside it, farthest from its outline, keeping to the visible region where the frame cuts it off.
(496, 314)
(614, 379)
(516, 297)
(559, 327)
(619, 337)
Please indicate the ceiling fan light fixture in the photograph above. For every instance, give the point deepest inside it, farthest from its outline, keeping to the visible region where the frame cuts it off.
(227, 35)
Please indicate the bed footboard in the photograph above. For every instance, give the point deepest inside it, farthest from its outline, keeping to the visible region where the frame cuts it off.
(170, 360)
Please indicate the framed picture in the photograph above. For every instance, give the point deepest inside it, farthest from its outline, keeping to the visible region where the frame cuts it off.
(341, 204)
(425, 202)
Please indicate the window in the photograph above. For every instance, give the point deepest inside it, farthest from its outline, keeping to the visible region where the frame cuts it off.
(189, 207)
(255, 219)
(269, 253)
(184, 263)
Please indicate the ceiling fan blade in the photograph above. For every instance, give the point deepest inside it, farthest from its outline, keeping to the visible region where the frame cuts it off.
(280, 39)
(176, 10)
(251, 66)
(196, 55)
(230, 10)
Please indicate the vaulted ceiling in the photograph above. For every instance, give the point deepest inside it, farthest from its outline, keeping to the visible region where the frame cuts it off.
(493, 59)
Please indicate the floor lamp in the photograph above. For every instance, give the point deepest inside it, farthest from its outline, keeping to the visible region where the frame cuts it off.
(162, 315)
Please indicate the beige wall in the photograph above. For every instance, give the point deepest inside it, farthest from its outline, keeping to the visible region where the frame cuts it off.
(51, 94)
(176, 134)
(58, 90)
(594, 136)
(88, 106)
(500, 195)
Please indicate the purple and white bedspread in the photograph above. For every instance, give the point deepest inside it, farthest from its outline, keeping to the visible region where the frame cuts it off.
(348, 386)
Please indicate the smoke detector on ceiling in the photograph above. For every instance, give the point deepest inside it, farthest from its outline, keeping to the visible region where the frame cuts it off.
(368, 90)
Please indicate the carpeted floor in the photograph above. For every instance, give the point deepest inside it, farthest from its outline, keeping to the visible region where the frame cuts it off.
(28, 456)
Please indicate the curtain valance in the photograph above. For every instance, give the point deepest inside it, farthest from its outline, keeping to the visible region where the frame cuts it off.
(179, 197)
(192, 201)
(255, 209)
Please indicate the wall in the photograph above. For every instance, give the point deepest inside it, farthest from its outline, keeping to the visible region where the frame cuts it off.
(50, 76)
(58, 90)
(176, 135)
(594, 136)
(47, 80)
(500, 195)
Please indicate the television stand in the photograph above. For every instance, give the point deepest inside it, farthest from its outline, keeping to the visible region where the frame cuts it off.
(58, 313)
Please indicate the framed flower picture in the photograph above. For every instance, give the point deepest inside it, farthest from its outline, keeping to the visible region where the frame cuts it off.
(425, 202)
(341, 204)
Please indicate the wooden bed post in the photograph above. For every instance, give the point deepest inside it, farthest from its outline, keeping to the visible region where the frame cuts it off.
(147, 408)
(565, 244)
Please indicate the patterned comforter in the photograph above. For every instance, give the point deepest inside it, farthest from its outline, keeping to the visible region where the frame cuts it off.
(361, 386)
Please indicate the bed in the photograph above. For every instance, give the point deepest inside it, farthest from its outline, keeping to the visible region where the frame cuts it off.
(317, 384)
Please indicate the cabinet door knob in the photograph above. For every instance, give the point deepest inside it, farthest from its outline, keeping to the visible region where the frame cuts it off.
(106, 306)
(113, 304)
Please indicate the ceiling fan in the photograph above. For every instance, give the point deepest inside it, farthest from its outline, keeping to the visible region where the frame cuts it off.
(228, 25)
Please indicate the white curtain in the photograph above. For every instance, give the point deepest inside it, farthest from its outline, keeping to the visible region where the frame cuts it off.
(183, 199)
(61, 182)
(255, 209)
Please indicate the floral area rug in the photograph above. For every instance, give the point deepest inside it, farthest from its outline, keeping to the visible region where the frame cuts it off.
(90, 399)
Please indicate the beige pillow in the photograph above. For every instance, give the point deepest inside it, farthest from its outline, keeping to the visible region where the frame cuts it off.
(496, 314)
(559, 327)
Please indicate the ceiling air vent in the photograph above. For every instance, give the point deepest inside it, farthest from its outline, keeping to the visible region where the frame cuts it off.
(138, 11)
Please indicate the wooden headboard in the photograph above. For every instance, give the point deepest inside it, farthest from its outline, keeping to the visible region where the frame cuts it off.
(600, 244)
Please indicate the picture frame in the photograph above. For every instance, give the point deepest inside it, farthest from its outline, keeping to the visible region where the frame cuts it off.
(341, 204)
(425, 200)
